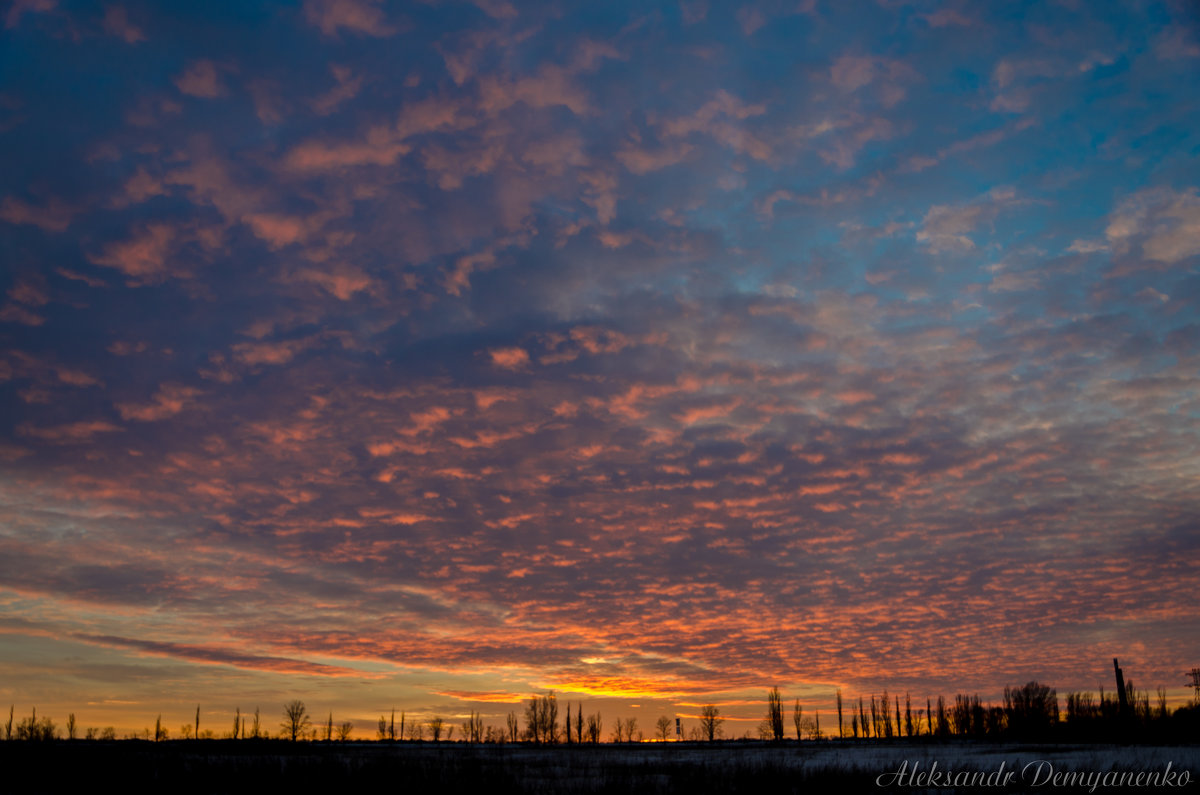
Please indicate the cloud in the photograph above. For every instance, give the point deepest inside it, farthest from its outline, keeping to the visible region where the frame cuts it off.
(169, 400)
(949, 227)
(644, 161)
(142, 257)
(68, 433)
(509, 358)
(357, 16)
(200, 79)
(116, 23)
(21, 7)
(347, 88)
(1163, 224)
(219, 655)
(53, 216)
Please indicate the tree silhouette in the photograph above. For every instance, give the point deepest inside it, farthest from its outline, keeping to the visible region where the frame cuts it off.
(296, 720)
(594, 726)
(797, 717)
(472, 730)
(343, 730)
(1031, 709)
(710, 721)
(435, 728)
(663, 727)
(237, 722)
(71, 726)
(256, 727)
(775, 713)
(841, 733)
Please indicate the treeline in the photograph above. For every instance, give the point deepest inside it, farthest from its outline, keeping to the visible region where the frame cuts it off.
(1029, 713)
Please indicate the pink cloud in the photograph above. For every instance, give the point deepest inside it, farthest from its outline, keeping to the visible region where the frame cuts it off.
(509, 358)
(20, 7)
(143, 256)
(643, 161)
(68, 433)
(200, 79)
(169, 400)
(116, 23)
(358, 16)
(53, 216)
(549, 86)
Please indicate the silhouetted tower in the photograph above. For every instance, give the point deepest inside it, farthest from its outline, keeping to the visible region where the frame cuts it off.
(1195, 674)
(1122, 699)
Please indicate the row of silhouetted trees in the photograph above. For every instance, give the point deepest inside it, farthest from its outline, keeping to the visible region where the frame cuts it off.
(1029, 712)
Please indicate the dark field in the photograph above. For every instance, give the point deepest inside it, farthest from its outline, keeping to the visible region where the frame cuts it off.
(270, 766)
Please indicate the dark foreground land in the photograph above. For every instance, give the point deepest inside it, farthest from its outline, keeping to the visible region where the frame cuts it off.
(174, 768)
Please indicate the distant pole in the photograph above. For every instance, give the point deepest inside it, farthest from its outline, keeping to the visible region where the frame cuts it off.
(1122, 700)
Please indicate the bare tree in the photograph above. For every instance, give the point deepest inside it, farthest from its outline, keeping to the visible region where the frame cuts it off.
(663, 727)
(550, 718)
(435, 728)
(533, 719)
(632, 735)
(1031, 709)
(594, 726)
(841, 733)
(710, 721)
(513, 727)
(908, 721)
(8, 726)
(256, 727)
(797, 717)
(382, 728)
(158, 729)
(237, 722)
(579, 722)
(296, 721)
(197, 721)
(343, 730)
(329, 728)
(472, 730)
(71, 726)
(567, 725)
(541, 718)
(775, 713)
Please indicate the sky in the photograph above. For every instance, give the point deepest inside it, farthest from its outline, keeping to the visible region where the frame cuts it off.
(435, 354)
